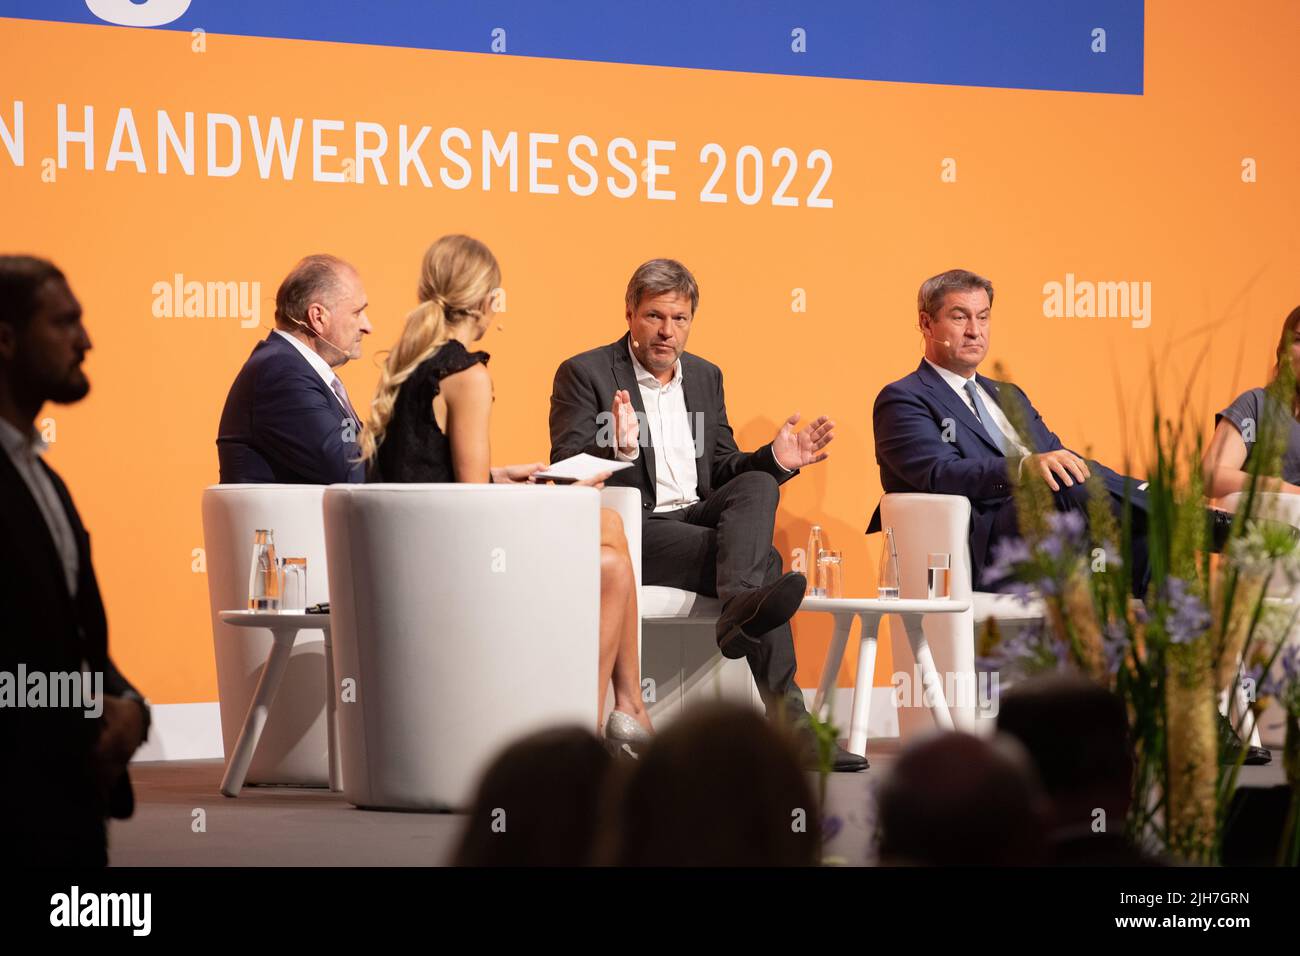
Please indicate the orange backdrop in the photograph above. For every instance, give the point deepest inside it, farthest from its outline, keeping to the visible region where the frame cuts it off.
(1110, 188)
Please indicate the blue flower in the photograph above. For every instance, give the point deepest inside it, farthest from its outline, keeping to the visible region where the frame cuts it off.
(1188, 617)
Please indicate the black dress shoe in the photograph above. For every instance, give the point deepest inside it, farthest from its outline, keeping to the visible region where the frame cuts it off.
(1230, 746)
(842, 761)
(848, 762)
(752, 613)
(1258, 756)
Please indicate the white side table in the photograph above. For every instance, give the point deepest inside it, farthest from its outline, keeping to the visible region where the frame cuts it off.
(869, 611)
(284, 627)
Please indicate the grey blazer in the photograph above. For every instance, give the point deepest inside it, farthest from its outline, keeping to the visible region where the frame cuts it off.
(584, 389)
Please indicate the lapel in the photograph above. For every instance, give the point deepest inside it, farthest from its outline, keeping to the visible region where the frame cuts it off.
(695, 394)
(625, 378)
(950, 400)
(30, 523)
(278, 342)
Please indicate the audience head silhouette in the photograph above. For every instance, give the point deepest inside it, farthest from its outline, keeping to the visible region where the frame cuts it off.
(720, 787)
(538, 803)
(958, 800)
(1077, 734)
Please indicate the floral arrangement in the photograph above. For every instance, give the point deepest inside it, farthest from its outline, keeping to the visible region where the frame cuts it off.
(1174, 649)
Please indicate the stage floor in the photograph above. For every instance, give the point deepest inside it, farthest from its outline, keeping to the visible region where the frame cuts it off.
(288, 826)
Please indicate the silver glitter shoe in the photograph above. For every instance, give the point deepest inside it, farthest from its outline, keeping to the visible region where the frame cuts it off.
(624, 736)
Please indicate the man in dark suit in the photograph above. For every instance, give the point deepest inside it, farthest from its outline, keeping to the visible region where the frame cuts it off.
(63, 758)
(709, 508)
(943, 429)
(288, 419)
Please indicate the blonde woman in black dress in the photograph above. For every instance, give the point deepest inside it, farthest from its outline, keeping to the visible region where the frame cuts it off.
(429, 422)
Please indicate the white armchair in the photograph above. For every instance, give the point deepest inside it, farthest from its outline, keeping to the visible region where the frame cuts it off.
(925, 524)
(463, 617)
(294, 745)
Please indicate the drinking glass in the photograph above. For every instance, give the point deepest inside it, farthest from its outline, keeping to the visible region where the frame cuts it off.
(293, 595)
(938, 577)
(830, 573)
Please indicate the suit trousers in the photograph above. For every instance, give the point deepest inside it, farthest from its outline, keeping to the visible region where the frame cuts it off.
(1006, 524)
(719, 547)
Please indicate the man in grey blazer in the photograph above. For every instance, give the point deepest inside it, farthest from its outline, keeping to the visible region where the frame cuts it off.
(709, 508)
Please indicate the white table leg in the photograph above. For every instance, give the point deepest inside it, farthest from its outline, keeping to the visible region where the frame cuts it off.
(255, 719)
(834, 656)
(931, 683)
(870, 624)
(332, 716)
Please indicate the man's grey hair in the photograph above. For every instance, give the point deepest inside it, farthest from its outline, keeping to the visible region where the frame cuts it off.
(658, 277)
(314, 279)
(930, 299)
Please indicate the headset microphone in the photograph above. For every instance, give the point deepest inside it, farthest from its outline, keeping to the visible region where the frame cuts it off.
(311, 331)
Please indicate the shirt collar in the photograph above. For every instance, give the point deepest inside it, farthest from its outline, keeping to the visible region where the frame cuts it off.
(954, 380)
(15, 442)
(321, 366)
(645, 377)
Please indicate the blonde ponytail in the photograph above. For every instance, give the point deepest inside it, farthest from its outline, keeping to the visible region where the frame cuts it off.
(457, 275)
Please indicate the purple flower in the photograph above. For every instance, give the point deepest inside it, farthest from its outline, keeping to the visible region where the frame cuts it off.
(1188, 617)
(1281, 679)
(1068, 524)
(1064, 534)
(1114, 645)
(1008, 555)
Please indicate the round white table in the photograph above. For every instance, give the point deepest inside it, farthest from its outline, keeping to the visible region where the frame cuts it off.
(869, 611)
(284, 627)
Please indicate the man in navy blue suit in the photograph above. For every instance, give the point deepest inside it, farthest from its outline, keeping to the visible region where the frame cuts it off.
(942, 429)
(288, 419)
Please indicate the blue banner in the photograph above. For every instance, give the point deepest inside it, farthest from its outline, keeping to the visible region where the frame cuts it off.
(1094, 46)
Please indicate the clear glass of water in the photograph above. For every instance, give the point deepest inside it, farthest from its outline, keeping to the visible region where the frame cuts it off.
(938, 576)
(830, 573)
(887, 586)
(264, 576)
(293, 596)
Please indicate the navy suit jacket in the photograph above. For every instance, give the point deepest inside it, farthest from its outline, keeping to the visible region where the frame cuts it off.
(928, 440)
(283, 425)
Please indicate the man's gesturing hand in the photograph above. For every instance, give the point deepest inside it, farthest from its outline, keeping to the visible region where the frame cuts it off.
(1063, 463)
(795, 449)
(627, 432)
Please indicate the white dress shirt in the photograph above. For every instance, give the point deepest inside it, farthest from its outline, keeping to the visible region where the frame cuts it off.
(676, 482)
(321, 366)
(997, 418)
(25, 451)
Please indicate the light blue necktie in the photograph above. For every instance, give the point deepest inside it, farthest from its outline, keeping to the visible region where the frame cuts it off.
(990, 428)
(341, 392)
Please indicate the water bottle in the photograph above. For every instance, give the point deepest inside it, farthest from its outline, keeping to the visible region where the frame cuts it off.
(816, 544)
(888, 584)
(264, 578)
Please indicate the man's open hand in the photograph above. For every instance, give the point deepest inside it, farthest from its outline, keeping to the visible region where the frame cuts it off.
(796, 449)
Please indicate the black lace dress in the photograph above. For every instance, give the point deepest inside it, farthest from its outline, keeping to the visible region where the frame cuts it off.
(414, 447)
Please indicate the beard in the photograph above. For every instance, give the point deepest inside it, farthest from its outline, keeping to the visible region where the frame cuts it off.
(73, 387)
